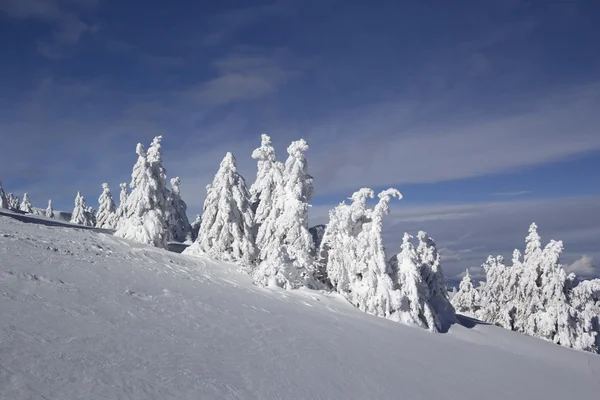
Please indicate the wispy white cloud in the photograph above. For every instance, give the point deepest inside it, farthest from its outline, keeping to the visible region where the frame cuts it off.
(584, 267)
(388, 143)
(62, 15)
(146, 59)
(241, 76)
(512, 194)
(234, 20)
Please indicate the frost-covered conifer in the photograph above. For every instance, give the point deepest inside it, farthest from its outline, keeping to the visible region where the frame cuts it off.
(286, 227)
(377, 276)
(122, 201)
(268, 180)
(289, 215)
(227, 229)
(196, 227)
(339, 250)
(585, 300)
(81, 214)
(496, 307)
(13, 202)
(353, 252)
(467, 300)
(433, 275)
(144, 214)
(528, 292)
(179, 225)
(414, 291)
(3, 198)
(49, 210)
(26, 205)
(107, 216)
(91, 215)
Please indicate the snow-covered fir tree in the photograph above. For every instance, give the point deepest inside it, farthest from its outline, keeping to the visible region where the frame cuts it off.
(584, 298)
(496, 307)
(14, 203)
(26, 205)
(81, 214)
(196, 227)
(433, 275)
(340, 246)
(91, 214)
(179, 225)
(467, 300)
(3, 198)
(227, 229)
(106, 218)
(144, 213)
(285, 229)
(268, 179)
(122, 201)
(414, 290)
(353, 253)
(49, 210)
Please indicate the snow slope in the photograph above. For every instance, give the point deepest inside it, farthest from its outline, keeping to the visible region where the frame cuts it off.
(85, 315)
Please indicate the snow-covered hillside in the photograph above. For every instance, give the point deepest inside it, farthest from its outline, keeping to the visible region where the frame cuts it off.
(85, 315)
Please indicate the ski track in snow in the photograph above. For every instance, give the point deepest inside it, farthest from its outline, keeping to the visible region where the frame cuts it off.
(85, 315)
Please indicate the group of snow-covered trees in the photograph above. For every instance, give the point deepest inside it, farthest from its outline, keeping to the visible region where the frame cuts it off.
(408, 287)
(535, 296)
(150, 214)
(265, 229)
(11, 202)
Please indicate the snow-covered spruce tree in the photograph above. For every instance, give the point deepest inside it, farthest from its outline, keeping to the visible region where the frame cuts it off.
(585, 300)
(49, 210)
(26, 205)
(227, 229)
(144, 214)
(558, 320)
(433, 275)
(339, 251)
(122, 200)
(376, 278)
(106, 218)
(467, 300)
(81, 214)
(285, 229)
(353, 253)
(91, 215)
(179, 225)
(497, 305)
(528, 291)
(268, 179)
(414, 291)
(14, 202)
(3, 198)
(196, 227)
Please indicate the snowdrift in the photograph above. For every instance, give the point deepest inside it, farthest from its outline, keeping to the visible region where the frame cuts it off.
(85, 315)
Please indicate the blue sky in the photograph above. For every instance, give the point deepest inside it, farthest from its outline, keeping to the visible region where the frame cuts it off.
(484, 106)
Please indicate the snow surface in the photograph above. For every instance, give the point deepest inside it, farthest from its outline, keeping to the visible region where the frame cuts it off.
(86, 315)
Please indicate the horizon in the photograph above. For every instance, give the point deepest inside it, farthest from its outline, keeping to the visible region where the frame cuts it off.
(484, 116)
